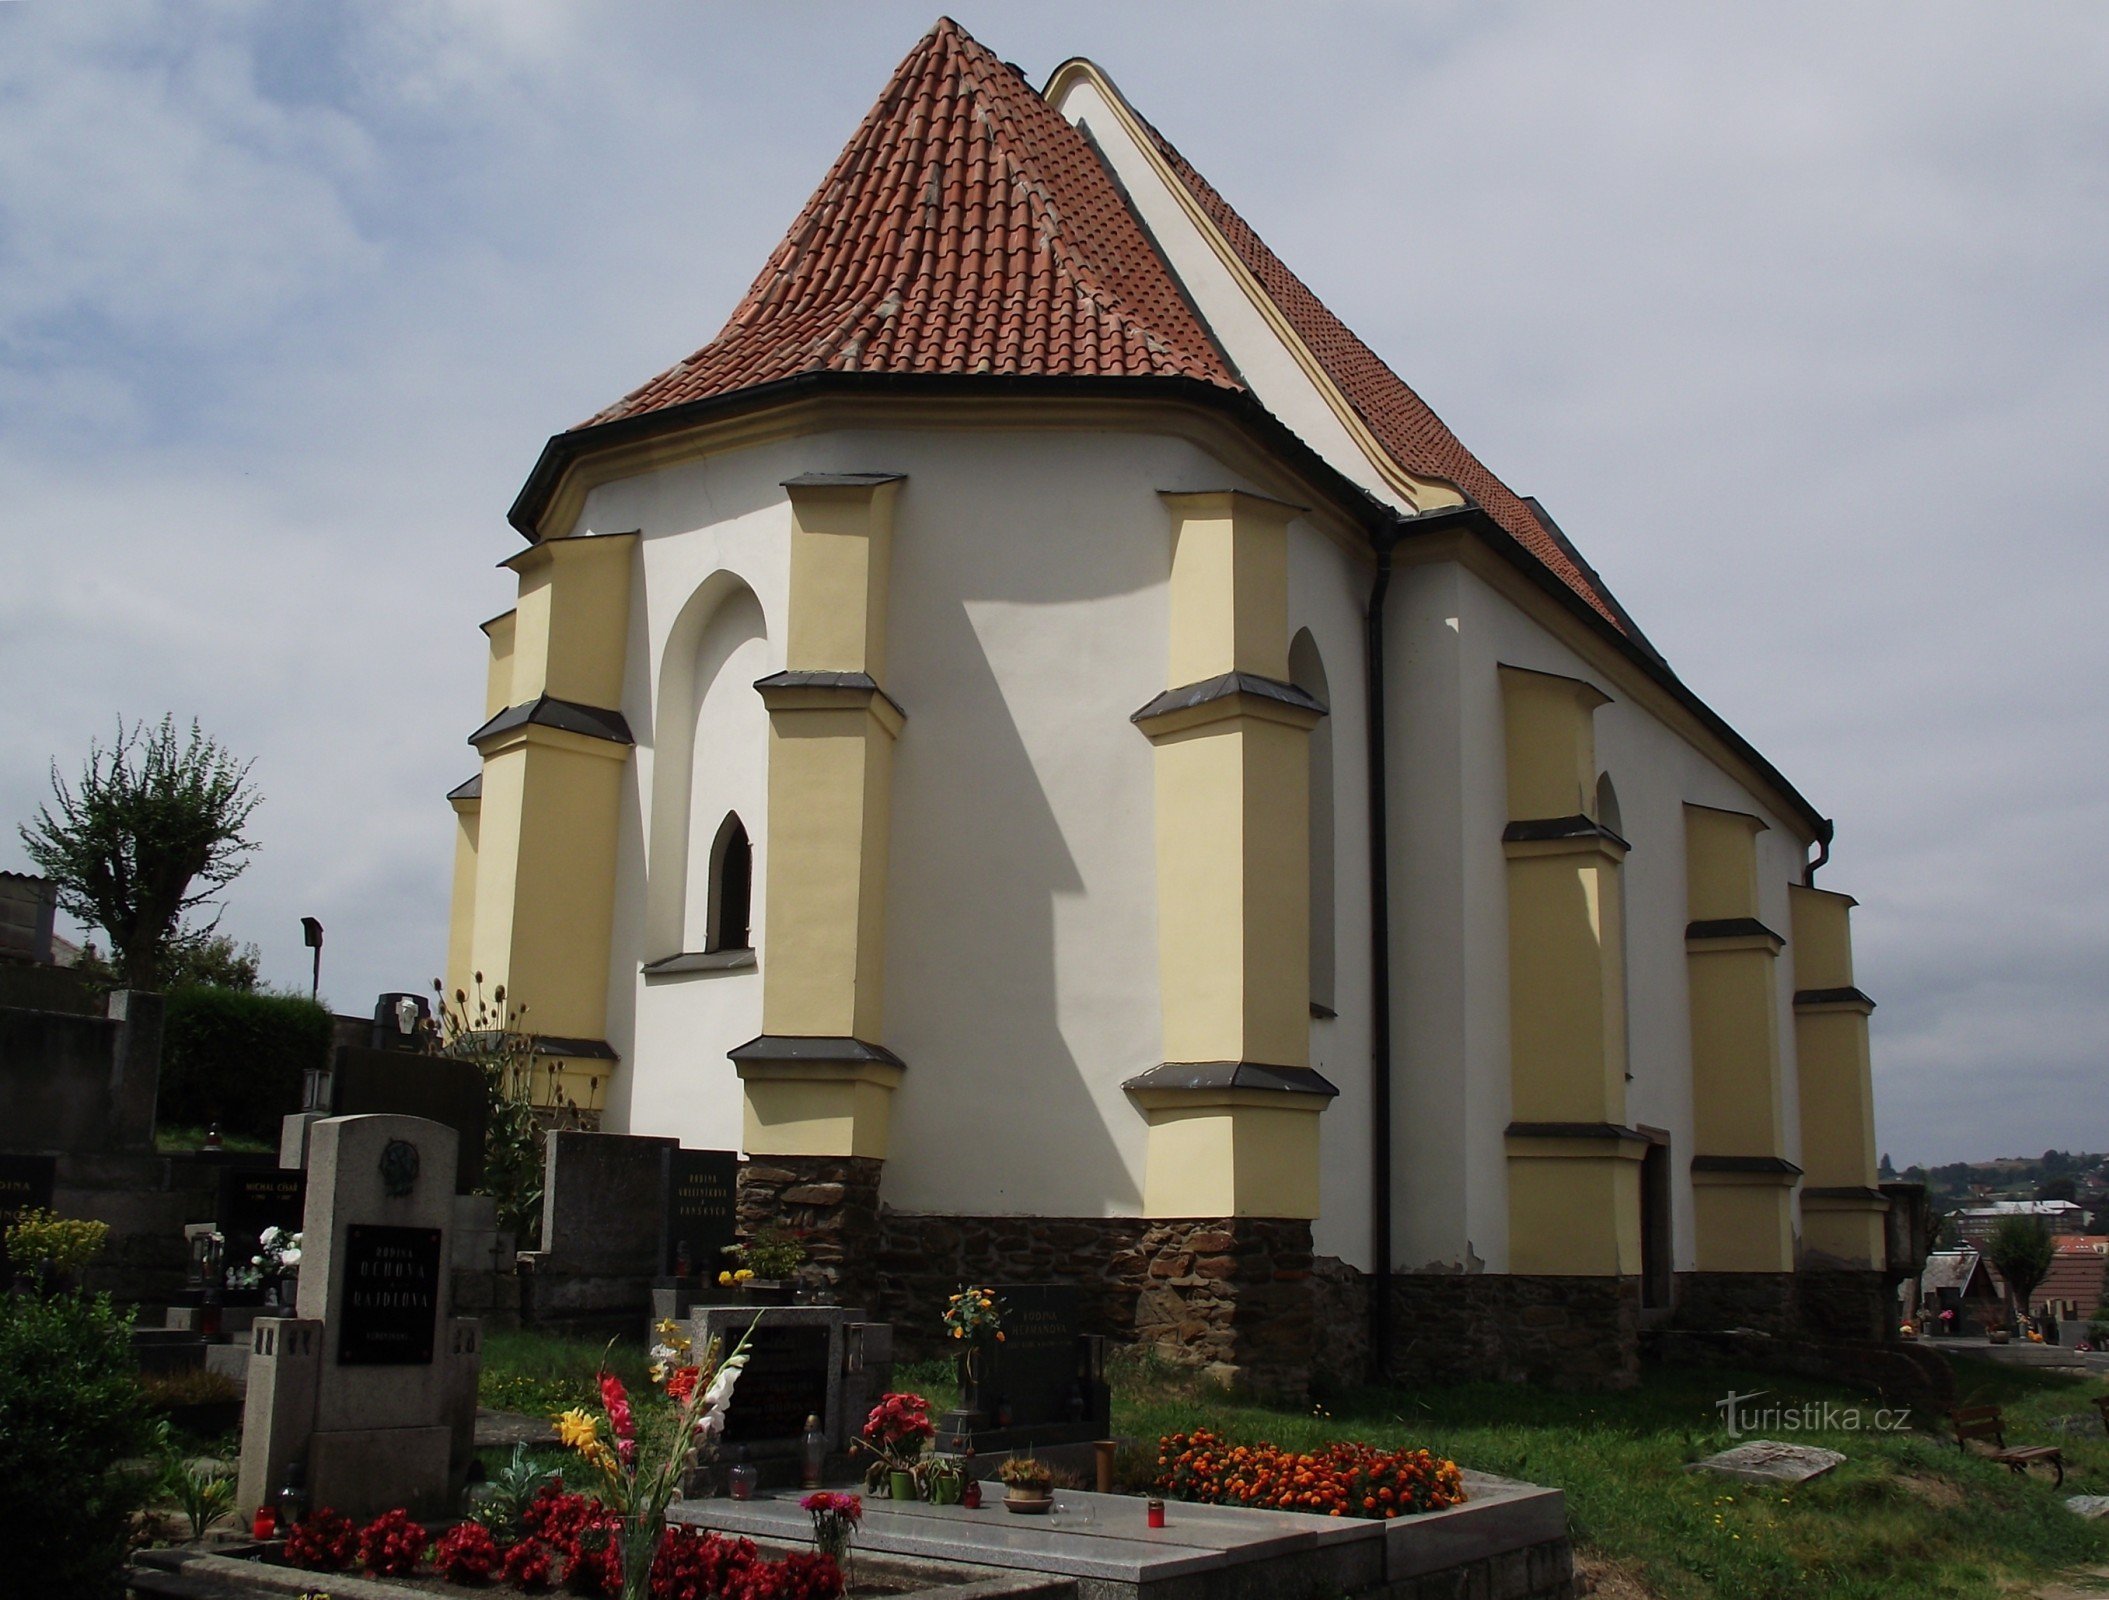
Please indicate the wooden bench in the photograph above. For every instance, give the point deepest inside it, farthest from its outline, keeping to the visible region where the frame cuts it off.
(1984, 1425)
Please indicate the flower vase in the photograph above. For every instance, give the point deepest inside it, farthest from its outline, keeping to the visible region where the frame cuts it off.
(902, 1484)
(641, 1538)
(766, 1291)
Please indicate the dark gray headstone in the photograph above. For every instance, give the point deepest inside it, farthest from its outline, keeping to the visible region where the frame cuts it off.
(1037, 1372)
(412, 1085)
(390, 1296)
(786, 1381)
(701, 1201)
(25, 1185)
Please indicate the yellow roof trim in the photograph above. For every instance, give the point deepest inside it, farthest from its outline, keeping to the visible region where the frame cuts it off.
(1422, 493)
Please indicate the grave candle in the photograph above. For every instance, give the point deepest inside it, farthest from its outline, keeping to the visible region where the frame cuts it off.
(1155, 1515)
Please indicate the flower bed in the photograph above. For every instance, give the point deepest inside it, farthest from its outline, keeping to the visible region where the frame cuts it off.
(566, 1541)
(1343, 1479)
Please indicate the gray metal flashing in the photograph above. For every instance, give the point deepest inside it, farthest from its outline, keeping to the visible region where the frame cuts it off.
(1844, 1191)
(471, 790)
(773, 1048)
(700, 961)
(1778, 1165)
(553, 1044)
(1576, 827)
(843, 480)
(1832, 997)
(1219, 1075)
(847, 683)
(1190, 695)
(1611, 1131)
(1730, 928)
(568, 716)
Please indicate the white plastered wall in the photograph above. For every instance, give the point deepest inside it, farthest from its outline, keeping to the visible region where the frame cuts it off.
(1028, 619)
(1451, 633)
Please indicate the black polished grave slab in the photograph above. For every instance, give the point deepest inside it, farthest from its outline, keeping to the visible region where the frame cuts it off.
(390, 1294)
(1036, 1375)
(700, 1218)
(252, 1199)
(785, 1381)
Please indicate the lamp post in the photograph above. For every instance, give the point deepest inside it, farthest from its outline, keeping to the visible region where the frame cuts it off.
(311, 936)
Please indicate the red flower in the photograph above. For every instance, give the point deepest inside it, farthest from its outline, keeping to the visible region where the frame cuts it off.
(682, 1383)
(325, 1542)
(467, 1553)
(392, 1544)
(617, 1401)
(528, 1564)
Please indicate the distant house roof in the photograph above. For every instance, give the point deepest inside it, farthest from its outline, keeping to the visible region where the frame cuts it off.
(1960, 1270)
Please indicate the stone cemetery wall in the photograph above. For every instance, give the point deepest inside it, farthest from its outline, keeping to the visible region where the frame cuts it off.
(1565, 1333)
(72, 1084)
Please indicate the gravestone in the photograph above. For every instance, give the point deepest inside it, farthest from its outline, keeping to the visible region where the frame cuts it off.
(1037, 1372)
(821, 1361)
(405, 1083)
(1769, 1461)
(252, 1199)
(700, 1218)
(373, 1384)
(25, 1185)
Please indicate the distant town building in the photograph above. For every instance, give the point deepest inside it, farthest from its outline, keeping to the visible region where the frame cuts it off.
(1974, 1224)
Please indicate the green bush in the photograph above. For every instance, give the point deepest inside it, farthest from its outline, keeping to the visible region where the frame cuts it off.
(238, 1059)
(70, 1410)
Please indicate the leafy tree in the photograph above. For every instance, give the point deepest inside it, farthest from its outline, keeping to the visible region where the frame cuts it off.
(2062, 1188)
(153, 830)
(196, 959)
(2022, 1249)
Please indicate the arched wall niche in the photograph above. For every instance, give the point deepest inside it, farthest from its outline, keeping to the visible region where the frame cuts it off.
(1307, 672)
(710, 759)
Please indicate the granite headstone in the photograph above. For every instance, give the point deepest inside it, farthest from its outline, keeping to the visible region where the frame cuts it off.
(1036, 1375)
(252, 1199)
(700, 1215)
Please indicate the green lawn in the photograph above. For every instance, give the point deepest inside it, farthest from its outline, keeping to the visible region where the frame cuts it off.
(1908, 1514)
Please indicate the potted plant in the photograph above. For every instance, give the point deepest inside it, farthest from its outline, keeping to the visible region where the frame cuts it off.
(763, 1267)
(1028, 1485)
(975, 1320)
(894, 1436)
(277, 1263)
(944, 1479)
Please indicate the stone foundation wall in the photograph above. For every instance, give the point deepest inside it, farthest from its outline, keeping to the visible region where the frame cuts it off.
(834, 1202)
(1564, 1333)
(1232, 1295)
(1340, 1309)
(1846, 1304)
(1761, 1301)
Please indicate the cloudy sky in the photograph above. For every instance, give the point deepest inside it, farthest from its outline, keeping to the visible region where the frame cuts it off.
(1796, 317)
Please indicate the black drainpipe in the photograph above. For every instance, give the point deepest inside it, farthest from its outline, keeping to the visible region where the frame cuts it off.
(1824, 831)
(1379, 969)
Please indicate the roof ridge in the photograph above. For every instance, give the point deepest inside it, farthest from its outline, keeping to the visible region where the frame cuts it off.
(966, 226)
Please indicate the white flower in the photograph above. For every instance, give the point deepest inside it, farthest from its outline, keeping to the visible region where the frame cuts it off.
(268, 1238)
(663, 1352)
(289, 1258)
(718, 1396)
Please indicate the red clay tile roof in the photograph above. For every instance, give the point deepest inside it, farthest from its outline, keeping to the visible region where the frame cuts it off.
(969, 228)
(966, 228)
(1410, 432)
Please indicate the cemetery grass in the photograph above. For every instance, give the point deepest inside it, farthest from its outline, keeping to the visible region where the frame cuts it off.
(1906, 1513)
(180, 1139)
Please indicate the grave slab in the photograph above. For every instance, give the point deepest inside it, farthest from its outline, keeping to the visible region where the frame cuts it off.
(2092, 1506)
(1769, 1461)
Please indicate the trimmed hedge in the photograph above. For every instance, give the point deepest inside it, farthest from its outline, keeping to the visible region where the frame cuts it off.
(238, 1059)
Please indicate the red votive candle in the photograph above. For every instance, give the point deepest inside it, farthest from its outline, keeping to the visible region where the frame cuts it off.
(264, 1524)
(1156, 1513)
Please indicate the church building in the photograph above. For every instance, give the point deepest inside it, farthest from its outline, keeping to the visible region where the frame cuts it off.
(1040, 739)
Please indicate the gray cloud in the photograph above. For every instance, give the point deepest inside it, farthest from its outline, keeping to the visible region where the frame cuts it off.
(1794, 316)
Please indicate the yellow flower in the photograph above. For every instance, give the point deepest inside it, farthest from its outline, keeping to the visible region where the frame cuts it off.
(959, 1333)
(577, 1431)
(724, 1279)
(743, 1275)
